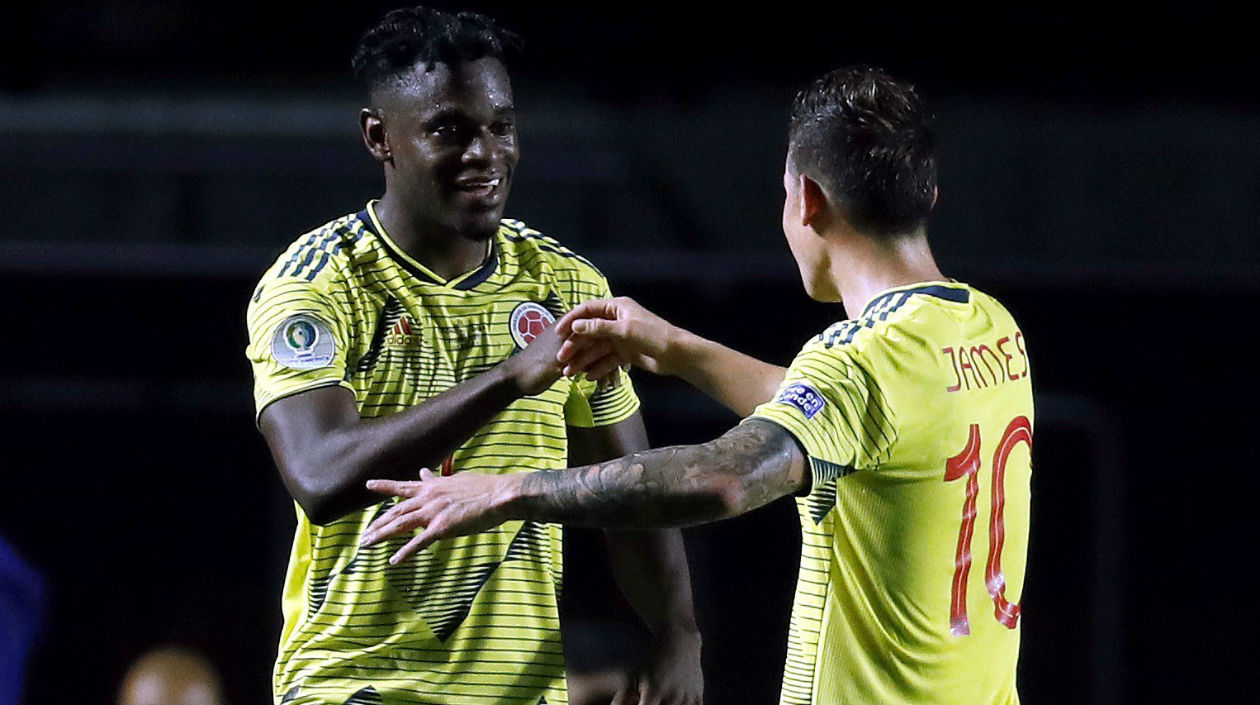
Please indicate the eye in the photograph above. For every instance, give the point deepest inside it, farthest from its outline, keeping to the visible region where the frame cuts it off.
(502, 128)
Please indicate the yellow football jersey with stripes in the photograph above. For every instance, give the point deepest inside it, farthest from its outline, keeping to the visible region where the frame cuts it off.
(472, 619)
(916, 418)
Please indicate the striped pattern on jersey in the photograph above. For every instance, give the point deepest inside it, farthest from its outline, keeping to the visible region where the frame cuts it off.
(856, 406)
(869, 399)
(471, 619)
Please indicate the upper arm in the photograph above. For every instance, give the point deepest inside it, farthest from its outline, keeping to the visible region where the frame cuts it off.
(294, 425)
(296, 422)
(298, 339)
(837, 413)
(767, 460)
(298, 351)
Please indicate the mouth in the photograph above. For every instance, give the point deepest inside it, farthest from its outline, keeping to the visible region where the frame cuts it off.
(479, 187)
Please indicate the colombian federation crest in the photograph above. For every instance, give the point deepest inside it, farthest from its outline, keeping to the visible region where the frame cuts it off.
(303, 342)
(528, 321)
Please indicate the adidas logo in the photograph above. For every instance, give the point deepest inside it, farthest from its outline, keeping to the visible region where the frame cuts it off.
(403, 335)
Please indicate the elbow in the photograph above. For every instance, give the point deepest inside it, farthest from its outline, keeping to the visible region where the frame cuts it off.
(319, 511)
(322, 504)
(729, 495)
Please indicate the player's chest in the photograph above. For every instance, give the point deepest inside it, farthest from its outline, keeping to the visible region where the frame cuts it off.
(435, 338)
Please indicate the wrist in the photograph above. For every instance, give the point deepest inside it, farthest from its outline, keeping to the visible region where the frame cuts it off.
(683, 633)
(510, 496)
(675, 346)
(507, 377)
(682, 348)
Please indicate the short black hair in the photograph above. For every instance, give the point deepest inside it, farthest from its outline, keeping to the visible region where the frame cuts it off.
(419, 35)
(868, 139)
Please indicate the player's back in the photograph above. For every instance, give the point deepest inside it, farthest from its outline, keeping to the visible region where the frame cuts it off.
(915, 533)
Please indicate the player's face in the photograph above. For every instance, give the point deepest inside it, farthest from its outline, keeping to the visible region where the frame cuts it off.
(451, 133)
(806, 245)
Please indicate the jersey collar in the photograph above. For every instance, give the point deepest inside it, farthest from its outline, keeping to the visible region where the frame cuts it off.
(954, 291)
(463, 282)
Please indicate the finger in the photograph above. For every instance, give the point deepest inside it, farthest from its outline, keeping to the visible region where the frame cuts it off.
(376, 528)
(411, 547)
(400, 488)
(582, 361)
(626, 695)
(648, 694)
(432, 533)
(393, 523)
(607, 371)
(422, 518)
(572, 346)
(426, 474)
(596, 308)
(373, 536)
(594, 328)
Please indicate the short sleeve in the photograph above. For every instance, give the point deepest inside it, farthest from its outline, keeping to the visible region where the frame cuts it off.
(297, 340)
(834, 409)
(587, 406)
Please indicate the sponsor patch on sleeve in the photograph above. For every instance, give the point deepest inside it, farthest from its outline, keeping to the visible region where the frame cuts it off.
(303, 342)
(802, 396)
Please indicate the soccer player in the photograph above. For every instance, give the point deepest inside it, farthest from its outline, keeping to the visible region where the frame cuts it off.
(904, 431)
(416, 333)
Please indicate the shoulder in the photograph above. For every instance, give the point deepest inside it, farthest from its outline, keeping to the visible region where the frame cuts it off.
(909, 312)
(535, 251)
(318, 258)
(313, 275)
(992, 308)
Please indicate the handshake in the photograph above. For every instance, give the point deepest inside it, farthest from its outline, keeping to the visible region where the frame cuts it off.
(597, 339)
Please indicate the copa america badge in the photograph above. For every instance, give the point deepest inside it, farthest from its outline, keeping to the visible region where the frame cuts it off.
(303, 342)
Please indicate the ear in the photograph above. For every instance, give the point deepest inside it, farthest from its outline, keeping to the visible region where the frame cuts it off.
(936, 192)
(372, 125)
(813, 201)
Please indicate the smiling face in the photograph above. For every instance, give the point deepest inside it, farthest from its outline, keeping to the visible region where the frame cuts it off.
(449, 143)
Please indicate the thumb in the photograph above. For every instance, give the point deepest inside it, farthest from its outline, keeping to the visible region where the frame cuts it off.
(594, 327)
(427, 474)
(598, 308)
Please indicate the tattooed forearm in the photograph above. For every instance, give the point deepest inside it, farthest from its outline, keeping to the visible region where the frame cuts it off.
(746, 467)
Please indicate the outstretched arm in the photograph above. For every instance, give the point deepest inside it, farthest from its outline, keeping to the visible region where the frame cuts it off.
(747, 467)
(637, 336)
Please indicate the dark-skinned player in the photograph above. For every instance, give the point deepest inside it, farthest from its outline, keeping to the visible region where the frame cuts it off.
(418, 332)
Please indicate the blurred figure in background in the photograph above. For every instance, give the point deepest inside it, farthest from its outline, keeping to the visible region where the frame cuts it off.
(21, 613)
(171, 675)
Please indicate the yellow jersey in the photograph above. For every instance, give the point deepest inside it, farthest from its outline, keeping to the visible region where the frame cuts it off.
(916, 418)
(469, 620)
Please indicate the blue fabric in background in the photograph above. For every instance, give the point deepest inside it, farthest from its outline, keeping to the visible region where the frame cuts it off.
(21, 615)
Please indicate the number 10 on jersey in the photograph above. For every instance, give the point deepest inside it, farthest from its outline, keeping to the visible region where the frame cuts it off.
(967, 464)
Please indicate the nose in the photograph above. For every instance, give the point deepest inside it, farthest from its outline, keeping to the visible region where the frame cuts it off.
(481, 148)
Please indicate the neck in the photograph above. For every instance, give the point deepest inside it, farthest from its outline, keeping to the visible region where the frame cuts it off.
(862, 267)
(445, 252)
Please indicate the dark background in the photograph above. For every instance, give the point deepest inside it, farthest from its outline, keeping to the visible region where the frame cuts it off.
(1099, 175)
